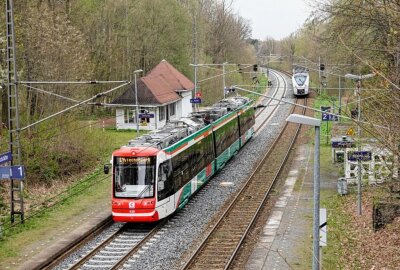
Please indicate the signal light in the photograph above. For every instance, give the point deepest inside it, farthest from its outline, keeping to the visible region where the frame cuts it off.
(239, 68)
(255, 67)
(322, 67)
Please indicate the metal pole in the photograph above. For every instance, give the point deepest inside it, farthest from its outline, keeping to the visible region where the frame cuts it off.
(195, 85)
(359, 146)
(319, 74)
(316, 200)
(223, 76)
(137, 108)
(340, 100)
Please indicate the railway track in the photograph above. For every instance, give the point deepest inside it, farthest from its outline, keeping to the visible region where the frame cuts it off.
(76, 245)
(220, 246)
(119, 249)
(264, 114)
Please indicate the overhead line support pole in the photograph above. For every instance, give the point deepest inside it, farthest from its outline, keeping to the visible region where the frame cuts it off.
(16, 186)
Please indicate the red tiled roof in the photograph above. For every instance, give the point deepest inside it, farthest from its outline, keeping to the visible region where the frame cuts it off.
(159, 86)
(162, 90)
(177, 80)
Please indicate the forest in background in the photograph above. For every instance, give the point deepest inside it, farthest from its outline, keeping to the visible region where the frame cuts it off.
(85, 40)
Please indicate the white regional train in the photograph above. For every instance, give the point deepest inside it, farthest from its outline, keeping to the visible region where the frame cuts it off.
(300, 81)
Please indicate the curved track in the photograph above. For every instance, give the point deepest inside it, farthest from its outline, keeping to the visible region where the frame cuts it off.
(268, 108)
(119, 249)
(221, 245)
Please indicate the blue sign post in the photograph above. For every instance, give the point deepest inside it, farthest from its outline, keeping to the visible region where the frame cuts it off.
(6, 157)
(146, 115)
(359, 156)
(12, 172)
(195, 100)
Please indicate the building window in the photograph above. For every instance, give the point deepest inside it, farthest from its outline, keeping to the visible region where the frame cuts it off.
(171, 109)
(161, 113)
(129, 116)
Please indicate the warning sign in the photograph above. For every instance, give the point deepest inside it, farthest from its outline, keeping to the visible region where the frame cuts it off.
(350, 132)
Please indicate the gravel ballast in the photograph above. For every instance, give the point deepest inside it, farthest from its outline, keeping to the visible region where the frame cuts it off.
(184, 229)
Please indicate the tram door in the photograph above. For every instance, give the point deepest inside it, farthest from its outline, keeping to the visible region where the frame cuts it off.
(165, 189)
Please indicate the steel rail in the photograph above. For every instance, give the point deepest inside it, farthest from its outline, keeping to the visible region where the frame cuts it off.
(103, 244)
(61, 255)
(194, 258)
(267, 194)
(136, 246)
(269, 102)
(140, 244)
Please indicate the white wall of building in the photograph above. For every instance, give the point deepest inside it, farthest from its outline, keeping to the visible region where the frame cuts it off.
(183, 108)
(122, 118)
(185, 104)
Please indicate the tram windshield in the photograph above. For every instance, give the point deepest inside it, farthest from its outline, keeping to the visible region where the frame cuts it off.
(134, 177)
(300, 80)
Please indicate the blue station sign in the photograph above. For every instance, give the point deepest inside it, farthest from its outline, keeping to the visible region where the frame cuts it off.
(342, 144)
(329, 117)
(359, 156)
(146, 115)
(12, 172)
(6, 157)
(326, 114)
(195, 100)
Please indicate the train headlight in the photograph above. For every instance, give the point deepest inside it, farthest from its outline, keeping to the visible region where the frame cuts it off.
(148, 203)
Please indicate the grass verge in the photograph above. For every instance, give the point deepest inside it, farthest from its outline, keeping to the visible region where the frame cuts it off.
(86, 196)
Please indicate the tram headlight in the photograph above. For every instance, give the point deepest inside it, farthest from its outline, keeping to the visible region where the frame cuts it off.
(148, 203)
(116, 203)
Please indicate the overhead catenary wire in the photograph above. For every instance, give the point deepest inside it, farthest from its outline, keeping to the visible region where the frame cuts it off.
(74, 106)
(72, 82)
(49, 93)
(283, 100)
(69, 131)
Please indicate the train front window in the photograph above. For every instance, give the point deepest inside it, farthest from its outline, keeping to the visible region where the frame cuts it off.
(134, 177)
(300, 80)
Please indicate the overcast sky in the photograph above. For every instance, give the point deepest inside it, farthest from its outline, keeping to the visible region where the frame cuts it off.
(273, 18)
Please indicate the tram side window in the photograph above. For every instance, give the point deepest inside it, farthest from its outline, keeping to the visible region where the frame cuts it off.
(191, 161)
(207, 151)
(181, 169)
(177, 171)
(202, 154)
(165, 185)
(226, 135)
(210, 155)
(185, 166)
(246, 120)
